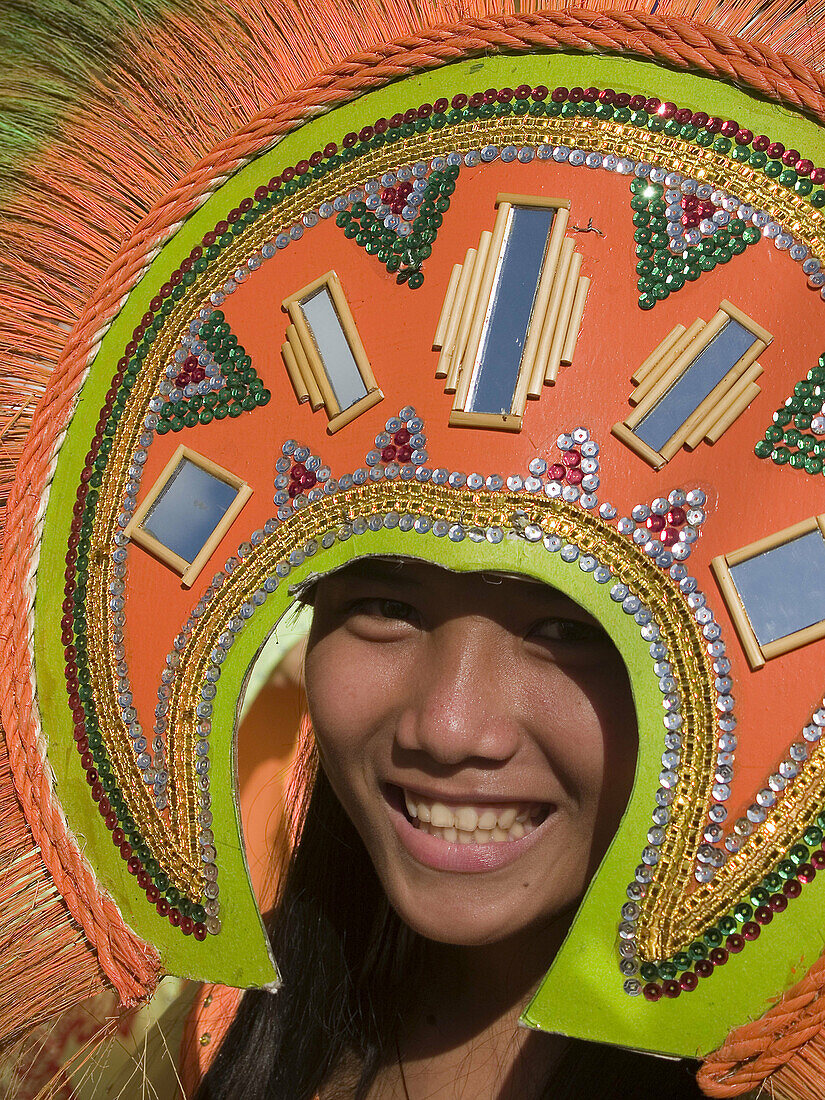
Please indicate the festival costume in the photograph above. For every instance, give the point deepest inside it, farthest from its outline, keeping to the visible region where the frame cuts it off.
(537, 293)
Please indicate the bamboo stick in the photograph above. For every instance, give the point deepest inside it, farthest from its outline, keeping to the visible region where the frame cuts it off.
(575, 323)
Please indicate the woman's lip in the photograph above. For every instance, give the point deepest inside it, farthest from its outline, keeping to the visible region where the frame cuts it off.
(459, 800)
(440, 855)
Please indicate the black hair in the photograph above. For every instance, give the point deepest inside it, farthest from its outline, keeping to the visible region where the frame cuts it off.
(347, 963)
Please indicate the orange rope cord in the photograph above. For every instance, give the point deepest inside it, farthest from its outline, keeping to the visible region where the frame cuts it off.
(130, 964)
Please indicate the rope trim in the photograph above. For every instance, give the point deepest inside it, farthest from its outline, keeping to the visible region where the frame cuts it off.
(753, 1051)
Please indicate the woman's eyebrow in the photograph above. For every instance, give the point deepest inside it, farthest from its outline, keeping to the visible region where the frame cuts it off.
(380, 569)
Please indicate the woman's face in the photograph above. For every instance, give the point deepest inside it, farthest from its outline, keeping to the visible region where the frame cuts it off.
(480, 733)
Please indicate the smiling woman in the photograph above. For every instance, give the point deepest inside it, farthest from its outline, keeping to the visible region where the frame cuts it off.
(474, 748)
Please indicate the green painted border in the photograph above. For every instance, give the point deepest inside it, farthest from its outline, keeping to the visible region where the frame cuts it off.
(582, 994)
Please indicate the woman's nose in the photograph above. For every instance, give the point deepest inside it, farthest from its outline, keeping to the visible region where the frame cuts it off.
(460, 705)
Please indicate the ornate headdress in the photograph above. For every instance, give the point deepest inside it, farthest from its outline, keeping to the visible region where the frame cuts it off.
(530, 292)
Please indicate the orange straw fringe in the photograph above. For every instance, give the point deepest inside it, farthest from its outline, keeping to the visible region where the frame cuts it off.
(129, 168)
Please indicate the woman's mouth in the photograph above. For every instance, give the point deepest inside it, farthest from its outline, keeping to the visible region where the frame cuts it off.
(464, 836)
(473, 823)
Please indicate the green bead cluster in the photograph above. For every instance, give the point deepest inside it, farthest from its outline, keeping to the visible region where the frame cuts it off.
(243, 392)
(744, 911)
(789, 439)
(403, 256)
(660, 271)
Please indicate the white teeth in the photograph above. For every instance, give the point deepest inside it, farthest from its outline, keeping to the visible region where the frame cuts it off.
(471, 824)
(466, 819)
(440, 815)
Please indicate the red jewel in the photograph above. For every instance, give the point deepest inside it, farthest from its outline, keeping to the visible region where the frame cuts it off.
(175, 280)
(778, 902)
(652, 992)
(294, 489)
(571, 458)
(668, 110)
(104, 806)
(208, 239)
(412, 114)
(575, 94)
(764, 914)
(676, 517)
(405, 188)
(186, 265)
(688, 981)
(152, 894)
(388, 196)
(388, 454)
(776, 150)
(401, 437)
(308, 480)
(760, 143)
(735, 943)
(366, 133)
(289, 173)
(175, 917)
(441, 105)
(655, 523)
(198, 374)
(670, 536)
(187, 926)
(790, 158)
(330, 150)
(199, 931)
(458, 102)
(558, 95)
(126, 850)
(718, 956)
(818, 860)
(298, 470)
(689, 221)
(729, 129)
(162, 906)
(86, 761)
(806, 873)
(143, 879)
(683, 116)
(404, 453)
(504, 95)
(714, 125)
(652, 105)
(233, 215)
(590, 95)
(117, 836)
(637, 102)
(751, 930)
(556, 472)
(97, 791)
(476, 99)
(110, 821)
(671, 989)
(302, 167)
(490, 95)
(805, 167)
(273, 184)
(792, 889)
(155, 304)
(704, 968)
(398, 207)
(540, 92)
(607, 95)
(261, 193)
(523, 91)
(349, 140)
(133, 865)
(574, 476)
(743, 137)
(396, 121)
(818, 176)
(622, 99)
(181, 380)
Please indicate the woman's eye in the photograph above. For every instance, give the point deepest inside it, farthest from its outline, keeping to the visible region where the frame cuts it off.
(569, 631)
(383, 609)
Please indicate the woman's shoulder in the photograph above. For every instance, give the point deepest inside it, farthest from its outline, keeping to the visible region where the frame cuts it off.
(212, 1012)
